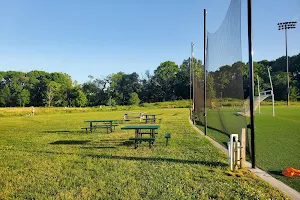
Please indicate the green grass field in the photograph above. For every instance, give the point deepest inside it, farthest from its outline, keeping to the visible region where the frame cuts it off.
(277, 141)
(48, 157)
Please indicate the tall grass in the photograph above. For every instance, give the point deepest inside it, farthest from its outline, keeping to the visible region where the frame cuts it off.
(26, 111)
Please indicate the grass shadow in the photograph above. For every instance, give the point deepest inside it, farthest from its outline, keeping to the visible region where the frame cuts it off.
(115, 143)
(147, 159)
(99, 147)
(61, 131)
(111, 140)
(277, 173)
(76, 142)
(126, 143)
(225, 144)
(152, 159)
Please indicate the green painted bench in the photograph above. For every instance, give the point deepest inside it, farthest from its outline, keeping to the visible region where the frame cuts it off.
(136, 140)
(113, 125)
(167, 136)
(86, 129)
(108, 127)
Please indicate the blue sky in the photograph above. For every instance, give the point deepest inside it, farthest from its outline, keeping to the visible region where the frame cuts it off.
(100, 37)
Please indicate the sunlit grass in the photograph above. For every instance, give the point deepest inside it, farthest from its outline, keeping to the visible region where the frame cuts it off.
(49, 157)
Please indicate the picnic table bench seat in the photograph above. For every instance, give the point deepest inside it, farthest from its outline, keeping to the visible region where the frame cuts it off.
(86, 129)
(96, 126)
(136, 140)
(145, 133)
(113, 125)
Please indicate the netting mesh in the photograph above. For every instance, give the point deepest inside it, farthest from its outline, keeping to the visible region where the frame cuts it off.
(224, 84)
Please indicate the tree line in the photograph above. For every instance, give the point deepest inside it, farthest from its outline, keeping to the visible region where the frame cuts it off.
(168, 82)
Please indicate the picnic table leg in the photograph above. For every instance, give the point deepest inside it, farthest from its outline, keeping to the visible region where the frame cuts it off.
(110, 123)
(91, 126)
(152, 136)
(136, 136)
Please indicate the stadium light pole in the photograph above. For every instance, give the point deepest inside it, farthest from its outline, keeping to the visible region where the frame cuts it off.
(205, 116)
(285, 26)
(251, 82)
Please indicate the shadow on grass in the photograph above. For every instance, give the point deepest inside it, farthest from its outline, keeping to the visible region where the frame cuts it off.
(277, 173)
(199, 123)
(126, 143)
(225, 144)
(99, 147)
(133, 158)
(153, 159)
(62, 131)
(112, 140)
(70, 142)
(114, 143)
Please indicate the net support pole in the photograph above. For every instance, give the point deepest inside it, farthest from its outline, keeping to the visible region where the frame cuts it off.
(251, 82)
(204, 60)
(258, 90)
(273, 109)
(193, 71)
(191, 102)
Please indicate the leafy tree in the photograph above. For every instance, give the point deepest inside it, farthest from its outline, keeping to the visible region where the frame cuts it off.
(5, 96)
(134, 99)
(169, 82)
(95, 91)
(121, 85)
(111, 102)
(164, 77)
(24, 97)
(52, 91)
(211, 93)
(81, 99)
(279, 85)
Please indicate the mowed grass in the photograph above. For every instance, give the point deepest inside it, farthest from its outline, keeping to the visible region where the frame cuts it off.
(277, 140)
(49, 157)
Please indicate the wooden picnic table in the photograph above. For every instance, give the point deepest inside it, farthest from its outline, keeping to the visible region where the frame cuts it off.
(107, 126)
(150, 118)
(139, 134)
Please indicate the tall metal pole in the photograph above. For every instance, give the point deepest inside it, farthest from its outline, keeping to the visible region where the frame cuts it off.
(193, 71)
(205, 115)
(110, 102)
(287, 70)
(273, 109)
(251, 82)
(191, 104)
(258, 90)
